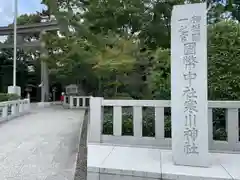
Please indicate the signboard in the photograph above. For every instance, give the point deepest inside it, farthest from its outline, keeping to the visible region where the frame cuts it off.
(72, 89)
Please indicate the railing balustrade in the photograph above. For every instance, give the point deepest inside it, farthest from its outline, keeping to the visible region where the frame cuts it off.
(160, 137)
(74, 102)
(11, 109)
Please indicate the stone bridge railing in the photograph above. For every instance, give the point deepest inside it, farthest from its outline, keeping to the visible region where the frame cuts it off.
(231, 115)
(74, 102)
(12, 109)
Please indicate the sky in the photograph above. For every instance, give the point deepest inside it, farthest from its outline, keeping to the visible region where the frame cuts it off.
(24, 6)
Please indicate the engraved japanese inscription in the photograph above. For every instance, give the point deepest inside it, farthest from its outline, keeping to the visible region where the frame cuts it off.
(191, 37)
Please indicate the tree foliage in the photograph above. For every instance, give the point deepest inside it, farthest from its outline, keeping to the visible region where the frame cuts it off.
(121, 48)
(159, 79)
(223, 61)
(144, 70)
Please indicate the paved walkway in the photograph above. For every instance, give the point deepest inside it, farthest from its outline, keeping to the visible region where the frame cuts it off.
(109, 162)
(40, 146)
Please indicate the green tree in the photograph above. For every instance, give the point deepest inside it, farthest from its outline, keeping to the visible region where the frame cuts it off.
(148, 22)
(223, 61)
(116, 60)
(69, 59)
(223, 64)
(159, 78)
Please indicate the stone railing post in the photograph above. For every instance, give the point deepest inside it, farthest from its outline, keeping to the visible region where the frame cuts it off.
(13, 109)
(64, 100)
(95, 126)
(232, 127)
(20, 107)
(5, 112)
(71, 102)
(28, 105)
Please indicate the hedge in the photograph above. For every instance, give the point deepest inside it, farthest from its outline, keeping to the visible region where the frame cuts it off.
(8, 97)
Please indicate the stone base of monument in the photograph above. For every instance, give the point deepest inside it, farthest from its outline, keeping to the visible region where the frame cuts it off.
(14, 90)
(110, 162)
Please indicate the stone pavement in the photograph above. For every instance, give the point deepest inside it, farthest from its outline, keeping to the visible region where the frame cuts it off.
(113, 162)
(41, 145)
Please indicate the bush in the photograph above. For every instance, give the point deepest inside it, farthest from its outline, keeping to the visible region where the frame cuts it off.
(223, 61)
(127, 122)
(8, 97)
(219, 132)
(124, 96)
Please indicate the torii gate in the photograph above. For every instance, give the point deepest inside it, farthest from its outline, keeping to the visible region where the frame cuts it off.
(37, 28)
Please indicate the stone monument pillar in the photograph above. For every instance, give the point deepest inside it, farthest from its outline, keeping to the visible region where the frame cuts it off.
(189, 85)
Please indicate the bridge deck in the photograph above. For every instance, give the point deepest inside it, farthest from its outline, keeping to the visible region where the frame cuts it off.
(40, 146)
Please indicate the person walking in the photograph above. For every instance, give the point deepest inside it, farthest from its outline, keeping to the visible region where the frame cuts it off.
(62, 98)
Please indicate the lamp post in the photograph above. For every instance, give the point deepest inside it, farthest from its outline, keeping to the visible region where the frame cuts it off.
(15, 42)
(15, 89)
